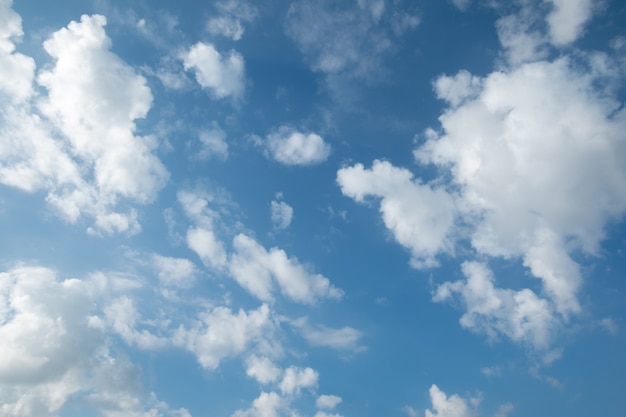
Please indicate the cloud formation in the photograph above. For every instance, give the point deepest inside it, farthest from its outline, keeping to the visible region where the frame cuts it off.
(222, 75)
(291, 147)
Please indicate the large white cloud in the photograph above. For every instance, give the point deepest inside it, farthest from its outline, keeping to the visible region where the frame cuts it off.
(224, 76)
(420, 216)
(16, 70)
(84, 151)
(55, 348)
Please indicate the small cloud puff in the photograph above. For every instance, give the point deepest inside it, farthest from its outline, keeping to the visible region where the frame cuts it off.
(291, 147)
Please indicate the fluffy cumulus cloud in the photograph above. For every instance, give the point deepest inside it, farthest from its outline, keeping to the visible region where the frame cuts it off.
(296, 378)
(79, 142)
(219, 334)
(258, 270)
(17, 70)
(291, 147)
(327, 401)
(444, 406)
(520, 315)
(213, 143)
(55, 350)
(174, 272)
(419, 216)
(262, 369)
(567, 19)
(223, 75)
(537, 156)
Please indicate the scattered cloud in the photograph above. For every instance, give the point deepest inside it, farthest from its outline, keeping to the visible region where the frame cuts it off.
(175, 272)
(231, 15)
(213, 143)
(419, 216)
(258, 270)
(444, 406)
(223, 75)
(328, 402)
(291, 147)
(281, 214)
(567, 20)
(294, 379)
(344, 338)
(262, 369)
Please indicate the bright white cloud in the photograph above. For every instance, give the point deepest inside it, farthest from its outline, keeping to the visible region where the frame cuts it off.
(444, 406)
(281, 214)
(344, 338)
(223, 75)
(327, 401)
(219, 334)
(567, 19)
(520, 315)
(54, 348)
(208, 247)
(266, 405)
(257, 269)
(537, 155)
(85, 152)
(262, 369)
(296, 378)
(16, 70)
(123, 317)
(420, 217)
(290, 147)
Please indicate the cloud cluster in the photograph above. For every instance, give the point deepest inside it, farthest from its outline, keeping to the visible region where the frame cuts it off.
(230, 18)
(78, 142)
(531, 166)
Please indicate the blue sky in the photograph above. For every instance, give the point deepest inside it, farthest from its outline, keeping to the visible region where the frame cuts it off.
(312, 208)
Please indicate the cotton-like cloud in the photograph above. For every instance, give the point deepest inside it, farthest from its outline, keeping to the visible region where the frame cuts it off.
(567, 19)
(55, 350)
(281, 214)
(262, 369)
(520, 315)
(291, 147)
(266, 405)
(223, 75)
(220, 334)
(16, 70)
(296, 378)
(174, 272)
(419, 216)
(537, 155)
(258, 270)
(327, 401)
(122, 316)
(444, 406)
(79, 143)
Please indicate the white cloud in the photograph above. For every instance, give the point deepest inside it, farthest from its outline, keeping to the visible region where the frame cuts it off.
(327, 401)
(219, 334)
(419, 216)
(54, 349)
(262, 369)
(174, 272)
(231, 15)
(213, 143)
(281, 214)
(504, 410)
(208, 247)
(520, 315)
(16, 70)
(290, 147)
(266, 405)
(296, 378)
(567, 19)
(444, 406)
(537, 155)
(344, 338)
(256, 270)
(123, 317)
(84, 152)
(223, 75)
